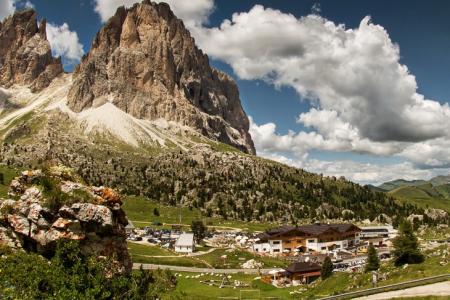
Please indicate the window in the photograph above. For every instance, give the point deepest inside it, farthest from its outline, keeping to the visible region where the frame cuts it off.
(311, 241)
(324, 248)
(276, 250)
(276, 242)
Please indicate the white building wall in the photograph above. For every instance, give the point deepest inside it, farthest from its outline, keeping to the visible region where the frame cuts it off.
(184, 249)
(276, 247)
(324, 247)
(261, 247)
(272, 247)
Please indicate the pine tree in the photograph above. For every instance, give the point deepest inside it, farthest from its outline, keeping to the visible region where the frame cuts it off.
(406, 246)
(156, 212)
(327, 268)
(199, 229)
(373, 262)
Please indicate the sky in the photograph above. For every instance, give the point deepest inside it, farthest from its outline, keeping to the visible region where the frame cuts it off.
(344, 88)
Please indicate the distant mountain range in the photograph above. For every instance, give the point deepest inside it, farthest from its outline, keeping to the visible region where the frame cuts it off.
(392, 185)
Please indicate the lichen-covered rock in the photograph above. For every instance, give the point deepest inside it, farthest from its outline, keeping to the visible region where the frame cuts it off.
(19, 224)
(98, 215)
(28, 223)
(413, 217)
(9, 238)
(436, 214)
(383, 219)
(25, 53)
(146, 63)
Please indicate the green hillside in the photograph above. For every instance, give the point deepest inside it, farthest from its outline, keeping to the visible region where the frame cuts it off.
(444, 190)
(216, 182)
(424, 196)
(440, 180)
(391, 185)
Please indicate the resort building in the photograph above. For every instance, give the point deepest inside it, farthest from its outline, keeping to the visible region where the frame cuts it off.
(319, 238)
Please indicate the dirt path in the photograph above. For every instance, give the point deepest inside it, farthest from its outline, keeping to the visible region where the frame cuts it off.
(435, 289)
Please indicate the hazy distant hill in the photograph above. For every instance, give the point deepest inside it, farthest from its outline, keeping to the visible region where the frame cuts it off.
(434, 193)
(425, 195)
(391, 185)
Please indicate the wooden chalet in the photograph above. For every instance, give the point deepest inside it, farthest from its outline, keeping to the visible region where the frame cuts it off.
(303, 272)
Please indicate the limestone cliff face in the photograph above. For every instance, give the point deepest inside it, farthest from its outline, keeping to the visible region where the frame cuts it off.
(146, 63)
(25, 53)
(47, 207)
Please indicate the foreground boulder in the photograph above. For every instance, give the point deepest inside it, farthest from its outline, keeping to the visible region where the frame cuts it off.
(49, 206)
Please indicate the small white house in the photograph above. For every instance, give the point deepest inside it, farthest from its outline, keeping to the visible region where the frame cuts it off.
(185, 243)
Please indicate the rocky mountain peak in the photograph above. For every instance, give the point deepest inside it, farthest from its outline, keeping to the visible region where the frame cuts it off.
(146, 63)
(25, 53)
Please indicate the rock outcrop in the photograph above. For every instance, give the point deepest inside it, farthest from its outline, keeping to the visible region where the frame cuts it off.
(50, 207)
(25, 53)
(436, 214)
(146, 63)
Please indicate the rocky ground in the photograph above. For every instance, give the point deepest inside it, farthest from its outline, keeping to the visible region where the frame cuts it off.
(46, 206)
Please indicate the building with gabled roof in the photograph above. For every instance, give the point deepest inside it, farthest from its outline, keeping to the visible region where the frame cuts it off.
(320, 238)
(185, 243)
(304, 272)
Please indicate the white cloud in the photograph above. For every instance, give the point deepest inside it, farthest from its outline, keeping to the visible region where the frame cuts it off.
(367, 173)
(64, 42)
(333, 135)
(107, 8)
(352, 73)
(193, 12)
(363, 173)
(7, 7)
(363, 99)
(28, 4)
(429, 154)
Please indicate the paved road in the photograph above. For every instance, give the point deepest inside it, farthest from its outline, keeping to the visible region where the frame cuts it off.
(436, 289)
(200, 270)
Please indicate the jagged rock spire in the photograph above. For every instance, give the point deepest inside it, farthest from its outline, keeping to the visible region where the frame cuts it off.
(25, 53)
